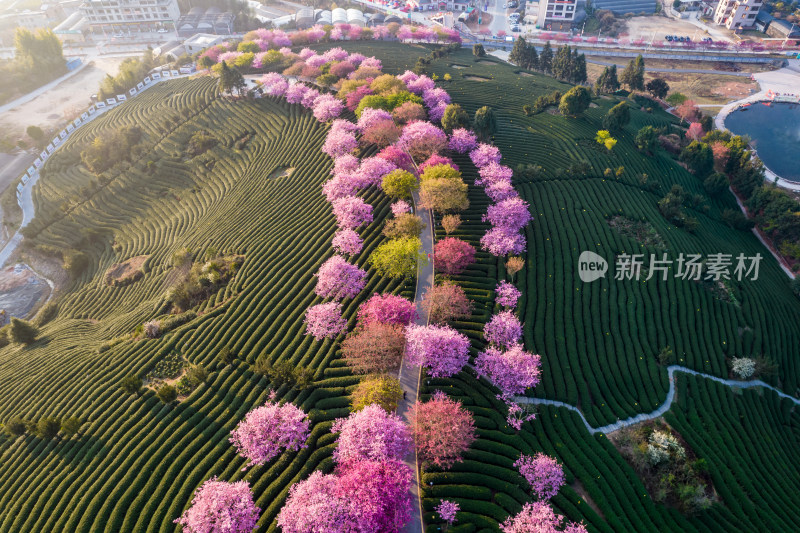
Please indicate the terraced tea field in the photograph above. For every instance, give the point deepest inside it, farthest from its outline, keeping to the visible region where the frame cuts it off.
(137, 462)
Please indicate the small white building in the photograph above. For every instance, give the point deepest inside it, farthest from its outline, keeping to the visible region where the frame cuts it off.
(201, 41)
(556, 14)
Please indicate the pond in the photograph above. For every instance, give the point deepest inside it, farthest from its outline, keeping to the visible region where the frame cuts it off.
(775, 131)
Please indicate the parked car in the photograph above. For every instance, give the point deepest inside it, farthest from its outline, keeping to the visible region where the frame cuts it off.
(668, 37)
(515, 28)
(162, 30)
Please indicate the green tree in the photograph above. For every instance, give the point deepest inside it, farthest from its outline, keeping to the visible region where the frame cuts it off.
(442, 171)
(71, 426)
(225, 356)
(22, 331)
(196, 374)
(406, 225)
(658, 88)
(454, 117)
(398, 258)
(647, 139)
(167, 394)
(699, 157)
(518, 52)
(48, 428)
(385, 391)
(478, 50)
(36, 133)
(617, 117)
(75, 262)
(578, 70)
(131, 384)
(444, 195)
(607, 82)
(205, 62)
(633, 75)
(531, 59)
(546, 58)
(715, 183)
(575, 101)
(563, 63)
(399, 183)
(485, 123)
(15, 426)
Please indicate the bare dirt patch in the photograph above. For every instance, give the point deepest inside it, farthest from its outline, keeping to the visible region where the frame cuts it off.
(281, 172)
(526, 74)
(581, 490)
(475, 78)
(487, 62)
(53, 109)
(454, 65)
(21, 289)
(120, 274)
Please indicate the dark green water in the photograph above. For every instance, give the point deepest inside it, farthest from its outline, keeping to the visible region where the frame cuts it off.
(775, 131)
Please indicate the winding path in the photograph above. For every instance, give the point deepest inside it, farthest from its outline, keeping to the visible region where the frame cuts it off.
(664, 407)
(410, 375)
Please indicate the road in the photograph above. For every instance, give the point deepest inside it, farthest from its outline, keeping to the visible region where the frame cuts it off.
(664, 407)
(410, 375)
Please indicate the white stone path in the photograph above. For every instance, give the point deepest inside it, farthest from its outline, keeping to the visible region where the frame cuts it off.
(664, 407)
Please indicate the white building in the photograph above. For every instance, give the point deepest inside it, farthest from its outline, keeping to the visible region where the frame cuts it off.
(201, 41)
(556, 14)
(130, 15)
(737, 14)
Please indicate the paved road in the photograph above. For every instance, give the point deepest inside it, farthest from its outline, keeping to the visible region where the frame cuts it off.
(410, 375)
(678, 70)
(664, 407)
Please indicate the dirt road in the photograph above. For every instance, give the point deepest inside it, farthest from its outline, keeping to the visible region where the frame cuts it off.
(51, 110)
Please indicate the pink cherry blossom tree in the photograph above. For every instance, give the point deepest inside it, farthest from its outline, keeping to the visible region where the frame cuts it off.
(268, 430)
(352, 212)
(502, 241)
(512, 371)
(507, 294)
(400, 207)
(420, 84)
(503, 329)
(398, 157)
(441, 349)
(435, 97)
(512, 214)
(327, 107)
(371, 434)
(339, 279)
(294, 94)
(372, 170)
(452, 256)
(443, 430)
(543, 473)
(379, 494)
(274, 84)
(354, 98)
(493, 172)
(340, 186)
(500, 190)
(421, 139)
(437, 159)
(539, 517)
(483, 154)
(462, 140)
(387, 309)
(325, 320)
(371, 116)
(339, 143)
(447, 511)
(347, 241)
(317, 504)
(221, 507)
